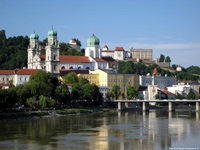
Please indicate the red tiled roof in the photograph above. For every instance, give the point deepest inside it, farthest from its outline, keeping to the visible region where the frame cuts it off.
(105, 46)
(108, 51)
(27, 71)
(67, 58)
(155, 71)
(119, 49)
(4, 84)
(109, 59)
(6, 72)
(98, 59)
(179, 66)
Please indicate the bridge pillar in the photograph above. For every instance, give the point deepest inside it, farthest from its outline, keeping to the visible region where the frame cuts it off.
(145, 106)
(171, 106)
(121, 105)
(126, 104)
(197, 106)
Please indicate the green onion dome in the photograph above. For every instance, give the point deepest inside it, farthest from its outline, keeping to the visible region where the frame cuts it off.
(52, 33)
(34, 36)
(93, 41)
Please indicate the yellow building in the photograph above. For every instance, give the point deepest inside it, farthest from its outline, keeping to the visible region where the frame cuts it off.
(107, 79)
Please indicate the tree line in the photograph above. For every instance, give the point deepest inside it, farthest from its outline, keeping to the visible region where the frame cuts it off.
(45, 91)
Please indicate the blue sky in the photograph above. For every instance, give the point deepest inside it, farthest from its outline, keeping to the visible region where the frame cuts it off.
(169, 27)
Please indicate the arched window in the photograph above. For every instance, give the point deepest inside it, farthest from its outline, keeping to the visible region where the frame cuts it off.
(71, 68)
(79, 68)
(44, 67)
(87, 68)
(54, 57)
(63, 67)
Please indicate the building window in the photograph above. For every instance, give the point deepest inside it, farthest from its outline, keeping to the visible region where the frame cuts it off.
(71, 68)
(63, 67)
(79, 68)
(87, 68)
(54, 57)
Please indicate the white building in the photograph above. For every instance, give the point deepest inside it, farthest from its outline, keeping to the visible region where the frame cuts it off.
(183, 89)
(118, 54)
(161, 81)
(179, 68)
(16, 77)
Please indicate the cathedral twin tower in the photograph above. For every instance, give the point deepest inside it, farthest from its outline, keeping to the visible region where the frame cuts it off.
(49, 61)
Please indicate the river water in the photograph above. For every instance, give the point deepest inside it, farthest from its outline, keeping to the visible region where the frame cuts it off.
(154, 130)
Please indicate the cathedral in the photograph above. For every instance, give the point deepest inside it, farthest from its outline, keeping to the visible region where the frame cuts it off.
(54, 63)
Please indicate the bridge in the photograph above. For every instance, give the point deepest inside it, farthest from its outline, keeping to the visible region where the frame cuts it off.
(123, 104)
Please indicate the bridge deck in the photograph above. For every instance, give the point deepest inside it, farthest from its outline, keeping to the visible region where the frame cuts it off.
(161, 101)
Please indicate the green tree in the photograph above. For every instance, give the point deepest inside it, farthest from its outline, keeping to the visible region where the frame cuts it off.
(62, 94)
(131, 92)
(45, 102)
(91, 93)
(31, 102)
(77, 92)
(116, 91)
(42, 83)
(162, 58)
(23, 92)
(156, 96)
(179, 96)
(191, 95)
(83, 81)
(2, 38)
(167, 59)
(110, 95)
(70, 78)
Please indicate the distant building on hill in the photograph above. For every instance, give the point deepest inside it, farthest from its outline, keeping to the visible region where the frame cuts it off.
(141, 54)
(179, 68)
(118, 54)
(73, 44)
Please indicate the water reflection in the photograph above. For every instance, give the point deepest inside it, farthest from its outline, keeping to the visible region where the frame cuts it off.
(152, 130)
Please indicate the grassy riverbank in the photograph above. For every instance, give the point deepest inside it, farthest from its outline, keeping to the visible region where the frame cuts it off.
(21, 115)
(39, 114)
(82, 110)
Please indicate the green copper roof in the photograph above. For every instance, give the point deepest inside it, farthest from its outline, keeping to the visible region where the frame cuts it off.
(34, 36)
(93, 41)
(52, 33)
